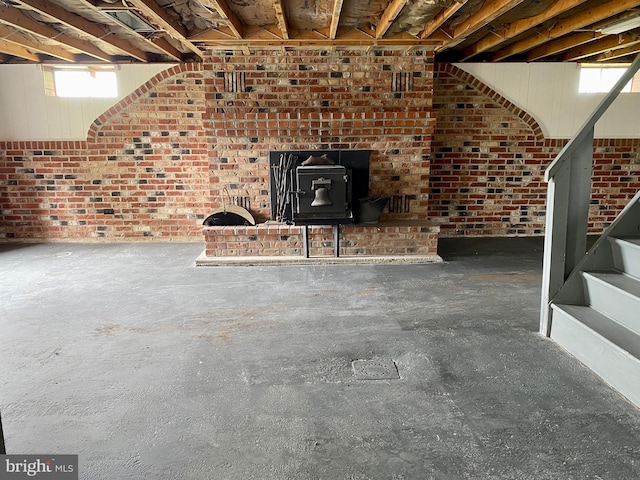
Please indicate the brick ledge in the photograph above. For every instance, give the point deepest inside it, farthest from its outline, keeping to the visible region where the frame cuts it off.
(204, 261)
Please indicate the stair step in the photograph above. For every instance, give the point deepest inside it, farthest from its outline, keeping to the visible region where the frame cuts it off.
(626, 255)
(609, 349)
(616, 295)
(615, 332)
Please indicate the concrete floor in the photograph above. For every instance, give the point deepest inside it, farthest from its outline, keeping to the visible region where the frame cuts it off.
(151, 368)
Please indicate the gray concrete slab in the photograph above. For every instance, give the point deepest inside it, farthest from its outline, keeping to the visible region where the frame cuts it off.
(149, 367)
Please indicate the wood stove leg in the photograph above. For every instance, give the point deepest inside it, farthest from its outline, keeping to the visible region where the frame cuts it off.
(305, 241)
(336, 240)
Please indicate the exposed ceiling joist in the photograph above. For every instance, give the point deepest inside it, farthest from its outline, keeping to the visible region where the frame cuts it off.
(595, 14)
(168, 48)
(83, 25)
(12, 35)
(441, 18)
(156, 42)
(489, 12)
(17, 18)
(233, 22)
(281, 18)
(618, 53)
(158, 15)
(352, 37)
(388, 17)
(518, 27)
(180, 30)
(561, 44)
(18, 51)
(610, 42)
(335, 18)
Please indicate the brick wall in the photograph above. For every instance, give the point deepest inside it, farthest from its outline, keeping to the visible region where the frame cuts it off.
(319, 99)
(156, 164)
(489, 157)
(143, 172)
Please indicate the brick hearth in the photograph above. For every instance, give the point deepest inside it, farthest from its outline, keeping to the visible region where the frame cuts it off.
(399, 238)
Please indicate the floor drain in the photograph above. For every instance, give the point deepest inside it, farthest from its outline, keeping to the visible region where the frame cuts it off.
(375, 369)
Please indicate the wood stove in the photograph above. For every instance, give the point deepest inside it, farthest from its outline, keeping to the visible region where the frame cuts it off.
(322, 195)
(318, 192)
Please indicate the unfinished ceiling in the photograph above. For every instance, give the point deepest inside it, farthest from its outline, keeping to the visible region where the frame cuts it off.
(119, 31)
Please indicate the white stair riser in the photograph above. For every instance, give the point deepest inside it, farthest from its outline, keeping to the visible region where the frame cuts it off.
(626, 257)
(612, 364)
(613, 302)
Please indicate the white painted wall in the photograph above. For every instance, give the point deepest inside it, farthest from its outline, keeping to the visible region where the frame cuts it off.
(549, 93)
(26, 113)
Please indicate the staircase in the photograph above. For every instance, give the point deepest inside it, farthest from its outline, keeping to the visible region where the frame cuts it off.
(590, 303)
(596, 316)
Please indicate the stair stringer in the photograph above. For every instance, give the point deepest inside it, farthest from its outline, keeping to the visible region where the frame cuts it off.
(599, 256)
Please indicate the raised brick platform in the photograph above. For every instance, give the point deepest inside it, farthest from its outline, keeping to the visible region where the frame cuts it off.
(397, 239)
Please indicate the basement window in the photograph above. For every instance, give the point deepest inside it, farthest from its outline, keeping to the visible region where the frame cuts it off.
(81, 82)
(599, 79)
